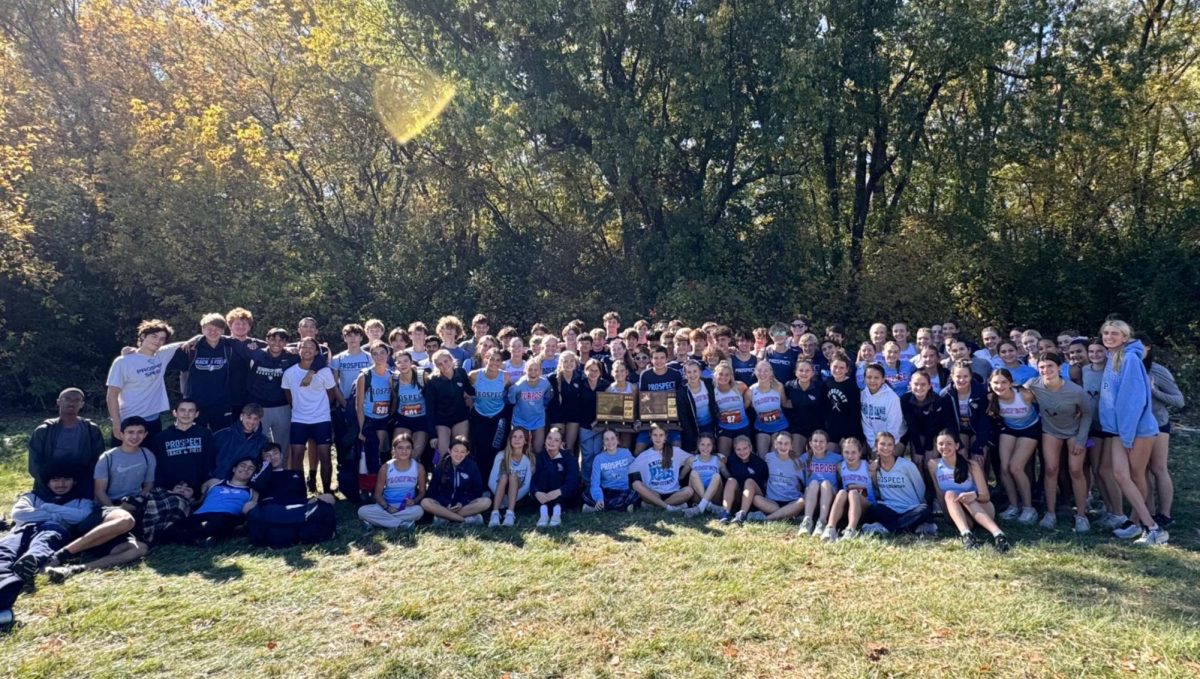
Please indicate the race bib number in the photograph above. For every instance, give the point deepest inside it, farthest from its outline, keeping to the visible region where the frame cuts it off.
(381, 408)
(731, 417)
(412, 410)
(768, 418)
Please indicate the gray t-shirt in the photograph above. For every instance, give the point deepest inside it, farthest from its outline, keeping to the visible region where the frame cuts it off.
(126, 472)
(783, 485)
(1066, 413)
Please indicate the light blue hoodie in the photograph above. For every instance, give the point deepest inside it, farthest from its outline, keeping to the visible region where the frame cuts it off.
(1125, 403)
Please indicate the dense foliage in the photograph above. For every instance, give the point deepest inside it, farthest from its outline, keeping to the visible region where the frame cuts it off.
(1012, 160)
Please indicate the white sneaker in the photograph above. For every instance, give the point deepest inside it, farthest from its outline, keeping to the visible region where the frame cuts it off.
(1009, 514)
(555, 520)
(829, 534)
(474, 520)
(756, 516)
(818, 529)
(739, 518)
(806, 526)
(510, 519)
(1128, 532)
(1028, 516)
(1110, 521)
(543, 521)
(494, 522)
(692, 512)
(1155, 536)
(439, 521)
(590, 509)
(875, 529)
(849, 533)
(927, 529)
(1049, 521)
(1082, 525)
(675, 508)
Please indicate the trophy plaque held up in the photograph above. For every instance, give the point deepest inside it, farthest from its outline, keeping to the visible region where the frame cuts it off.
(618, 411)
(659, 407)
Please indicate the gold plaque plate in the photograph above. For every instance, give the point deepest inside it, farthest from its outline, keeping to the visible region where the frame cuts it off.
(659, 406)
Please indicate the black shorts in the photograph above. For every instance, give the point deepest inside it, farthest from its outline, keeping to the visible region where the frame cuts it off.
(1033, 431)
(100, 551)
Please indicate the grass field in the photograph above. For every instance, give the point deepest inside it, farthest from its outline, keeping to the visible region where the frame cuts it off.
(631, 595)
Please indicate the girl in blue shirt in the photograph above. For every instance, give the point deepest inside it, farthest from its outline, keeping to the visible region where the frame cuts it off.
(1015, 409)
(706, 471)
(856, 495)
(820, 470)
(964, 491)
(529, 398)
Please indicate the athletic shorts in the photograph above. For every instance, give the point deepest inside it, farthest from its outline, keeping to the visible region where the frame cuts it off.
(734, 433)
(413, 424)
(100, 551)
(321, 432)
(1033, 431)
(1164, 428)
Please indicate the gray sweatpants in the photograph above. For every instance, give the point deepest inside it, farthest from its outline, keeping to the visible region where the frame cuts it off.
(277, 425)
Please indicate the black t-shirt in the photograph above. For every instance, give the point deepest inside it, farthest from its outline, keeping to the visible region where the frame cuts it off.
(843, 410)
(183, 456)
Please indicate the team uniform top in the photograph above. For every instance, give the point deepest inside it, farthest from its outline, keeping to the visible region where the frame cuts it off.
(703, 413)
(225, 498)
(768, 409)
(707, 469)
(401, 484)
(377, 395)
(1020, 413)
(743, 371)
(859, 477)
(783, 363)
(731, 410)
(945, 480)
(824, 468)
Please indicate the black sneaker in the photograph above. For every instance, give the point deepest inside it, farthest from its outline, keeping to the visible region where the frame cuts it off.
(1163, 520)
(969, 541)
(60, 573)
(1002, 543)
(25, 567)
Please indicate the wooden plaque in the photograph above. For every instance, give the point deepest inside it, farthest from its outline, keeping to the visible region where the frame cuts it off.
(615, 408)
(659, 406)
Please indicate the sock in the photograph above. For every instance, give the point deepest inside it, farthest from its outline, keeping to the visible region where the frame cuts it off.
(964, 533)
(703, 505)
(545, 513)
(558, 510)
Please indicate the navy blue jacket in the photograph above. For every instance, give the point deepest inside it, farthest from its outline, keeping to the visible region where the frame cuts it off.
(977, 421)
(456, 485)
(557, 474)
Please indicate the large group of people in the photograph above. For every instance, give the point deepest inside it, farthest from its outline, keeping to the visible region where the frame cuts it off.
(771, 424)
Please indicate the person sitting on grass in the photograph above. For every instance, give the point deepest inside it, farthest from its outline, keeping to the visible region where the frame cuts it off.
(609, 488)
(223, 508)
(657, 473)
(781, 500)
(456, 494)
(123, 478)
(399, 490)
(706, 473)
(856, 495)
(69, 440)
(901, 491)
(512, 477)
(748, 475)
(820, 473)
(555, 480)
(285, 515)
(965, 492)
(43, 521)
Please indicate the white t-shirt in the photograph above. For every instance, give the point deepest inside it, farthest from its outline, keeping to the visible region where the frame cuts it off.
(140, 379)
(310, 405)
(654, 475)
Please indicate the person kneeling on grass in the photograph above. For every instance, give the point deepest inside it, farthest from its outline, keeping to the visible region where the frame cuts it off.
(748, 475)
(657, 472)
(857, 493)
(43, 521)
(223, 509)
(512, 477)
(965, 492)
(609, 488)
(285, 515)
(456, 494)
(820, 472)
(555, 480)
(781, 499)
(706, 474)
(399, 490)
(901, 491)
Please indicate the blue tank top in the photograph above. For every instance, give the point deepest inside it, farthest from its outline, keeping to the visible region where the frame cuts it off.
(703, 414)
(731, 410)
(401, 485)
(377, 396)
(410, 400)
(707, 469)
(783, 363)
(1020, 414)
(224, 498)
(945, 480)
(489, 394)
(768, 407)
(743, 371)
(860, 477)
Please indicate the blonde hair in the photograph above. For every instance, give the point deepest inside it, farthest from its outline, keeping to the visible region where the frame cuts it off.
(526, 451)
(1122, 327)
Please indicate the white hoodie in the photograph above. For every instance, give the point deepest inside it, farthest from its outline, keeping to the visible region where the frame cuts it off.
(881, 412)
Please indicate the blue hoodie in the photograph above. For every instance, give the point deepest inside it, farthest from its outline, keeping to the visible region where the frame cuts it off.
(1125, 401)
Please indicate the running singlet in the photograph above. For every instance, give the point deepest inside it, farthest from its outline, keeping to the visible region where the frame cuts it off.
(945, 479)
(703, 414)
(489, 394)
(731, 410)
(401, 484)
(768, 405)
(377, 396)
(783, 363)
(707, 469)
(225, 498)
(1020, 414)
(859, 478)
(410, 400)
(743, 371)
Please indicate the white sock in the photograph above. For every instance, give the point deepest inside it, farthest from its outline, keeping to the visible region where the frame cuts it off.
(558, 510)
(703, 504)
(545, 512)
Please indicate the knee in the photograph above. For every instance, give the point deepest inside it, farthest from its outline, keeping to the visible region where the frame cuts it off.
(1015, 469)
(123, 520)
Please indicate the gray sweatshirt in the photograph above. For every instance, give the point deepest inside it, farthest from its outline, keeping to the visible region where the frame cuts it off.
(1066, 413)
(32, 509)
(1164, 393)
(901, 489)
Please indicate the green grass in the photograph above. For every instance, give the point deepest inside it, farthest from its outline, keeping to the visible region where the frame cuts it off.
(630, 595)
